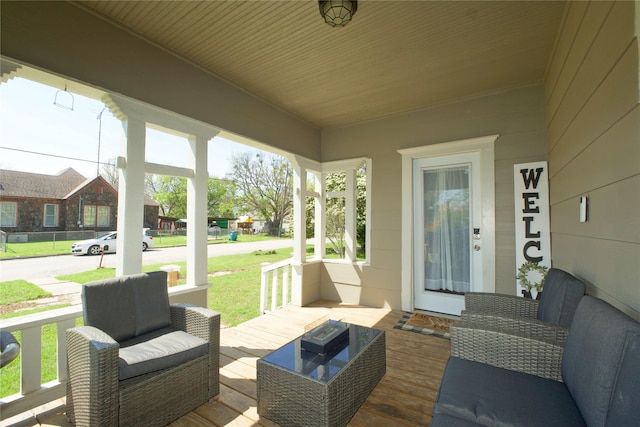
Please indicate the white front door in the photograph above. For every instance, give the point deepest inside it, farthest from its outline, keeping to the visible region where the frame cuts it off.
(447, 213)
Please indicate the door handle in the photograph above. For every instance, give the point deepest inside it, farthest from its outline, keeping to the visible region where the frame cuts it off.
(476, 248)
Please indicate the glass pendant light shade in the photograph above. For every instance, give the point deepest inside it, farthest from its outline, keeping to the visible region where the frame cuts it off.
(338, 13)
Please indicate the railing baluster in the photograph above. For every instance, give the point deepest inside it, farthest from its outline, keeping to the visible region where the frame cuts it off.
(31, 359)
(285, 285)
(264, 279)
(274, 289)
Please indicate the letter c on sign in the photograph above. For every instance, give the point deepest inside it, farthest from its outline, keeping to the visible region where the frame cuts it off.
(526, 248)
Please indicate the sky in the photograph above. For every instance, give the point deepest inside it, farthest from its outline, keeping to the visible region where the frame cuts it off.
(40, 137)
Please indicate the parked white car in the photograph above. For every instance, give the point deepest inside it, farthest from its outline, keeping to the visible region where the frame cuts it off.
(106, 242)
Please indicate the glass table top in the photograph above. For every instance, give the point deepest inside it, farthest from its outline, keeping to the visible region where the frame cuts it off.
(293, 357)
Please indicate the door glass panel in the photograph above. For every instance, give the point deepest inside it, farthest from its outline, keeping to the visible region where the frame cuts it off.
(447, 232)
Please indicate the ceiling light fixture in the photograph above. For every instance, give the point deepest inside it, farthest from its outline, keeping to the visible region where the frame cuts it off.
(337, 13)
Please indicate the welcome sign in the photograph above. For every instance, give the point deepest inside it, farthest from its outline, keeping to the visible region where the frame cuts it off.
(533, 240)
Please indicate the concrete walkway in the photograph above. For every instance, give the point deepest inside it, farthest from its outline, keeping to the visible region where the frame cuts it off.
(61, 291)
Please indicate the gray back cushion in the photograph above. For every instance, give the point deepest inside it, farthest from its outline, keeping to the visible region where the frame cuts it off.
(592, 362)
(626, 394)
(109, 305)
(560, 298)
(152, 302)
(127, 306)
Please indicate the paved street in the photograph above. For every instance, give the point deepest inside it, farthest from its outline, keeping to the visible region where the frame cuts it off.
(38, 269)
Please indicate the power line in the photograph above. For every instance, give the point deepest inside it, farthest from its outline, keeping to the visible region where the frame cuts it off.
(55, 155)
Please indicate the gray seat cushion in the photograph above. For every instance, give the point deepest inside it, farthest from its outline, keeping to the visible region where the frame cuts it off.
(488, 395)
(601, 352)
(127, 306)
(560, 298)
(159, 350)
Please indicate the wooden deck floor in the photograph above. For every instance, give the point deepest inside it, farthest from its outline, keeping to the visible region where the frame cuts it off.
(404, 397)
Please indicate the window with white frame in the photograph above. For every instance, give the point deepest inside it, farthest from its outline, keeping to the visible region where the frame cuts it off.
(8, 214)
(346, 192)
(50, 215)
(338, 209)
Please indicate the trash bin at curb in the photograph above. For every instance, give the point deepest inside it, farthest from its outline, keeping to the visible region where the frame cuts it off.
(233, 236)
(173, 272)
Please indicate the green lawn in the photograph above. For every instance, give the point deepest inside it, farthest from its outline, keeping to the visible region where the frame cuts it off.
(236, 296)
(227, 263)
(62, 247)
(20, 290)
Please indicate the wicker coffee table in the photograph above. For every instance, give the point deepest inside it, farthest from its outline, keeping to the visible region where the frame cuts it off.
(299, 388)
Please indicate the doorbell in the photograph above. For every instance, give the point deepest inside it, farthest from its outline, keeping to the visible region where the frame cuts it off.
(583, 208)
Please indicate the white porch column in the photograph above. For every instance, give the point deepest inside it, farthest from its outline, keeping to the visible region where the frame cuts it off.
(299, 214)
(131, 166)
(350, 214)
(299, 231)
(320, 241)
(197, 192)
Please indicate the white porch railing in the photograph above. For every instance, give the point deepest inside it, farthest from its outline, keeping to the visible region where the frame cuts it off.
(33, 392)
(280, 275)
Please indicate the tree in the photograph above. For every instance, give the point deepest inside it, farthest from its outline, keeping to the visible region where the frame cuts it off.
(222, 198)
(171, 194)
(265, 187)
(110, 173)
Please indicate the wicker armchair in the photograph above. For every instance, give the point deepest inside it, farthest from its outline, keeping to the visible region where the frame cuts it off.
(138, 360)
(511, 350)
(549, 318)
(493, 377)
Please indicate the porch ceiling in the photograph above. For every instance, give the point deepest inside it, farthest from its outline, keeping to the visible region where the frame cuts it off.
(394, 57)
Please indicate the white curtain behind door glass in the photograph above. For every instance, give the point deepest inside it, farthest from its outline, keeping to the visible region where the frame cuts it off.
(446, 229)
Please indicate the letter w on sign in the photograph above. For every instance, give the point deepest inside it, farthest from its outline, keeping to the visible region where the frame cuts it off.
(531, 175)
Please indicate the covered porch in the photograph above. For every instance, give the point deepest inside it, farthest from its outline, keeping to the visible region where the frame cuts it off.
(404, 397)
(544, 81)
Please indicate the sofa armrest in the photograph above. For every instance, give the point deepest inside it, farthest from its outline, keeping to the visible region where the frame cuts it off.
(203, 323)
(514, 351)
(92, 387)
(527, 326)
(501, 304)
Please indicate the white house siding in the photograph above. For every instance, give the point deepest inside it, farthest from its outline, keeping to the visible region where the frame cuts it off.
(593, 144)
(516, 115)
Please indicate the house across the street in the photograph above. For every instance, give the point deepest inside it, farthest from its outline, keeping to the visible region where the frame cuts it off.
(67, 201)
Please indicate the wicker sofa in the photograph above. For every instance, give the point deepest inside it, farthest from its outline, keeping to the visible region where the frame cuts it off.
(590, 381)
(550, 317)
(140, 361)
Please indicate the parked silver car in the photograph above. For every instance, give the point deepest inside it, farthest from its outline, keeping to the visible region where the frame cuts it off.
(106, 242)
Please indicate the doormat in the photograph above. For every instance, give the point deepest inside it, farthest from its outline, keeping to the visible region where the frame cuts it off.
(425, 324)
